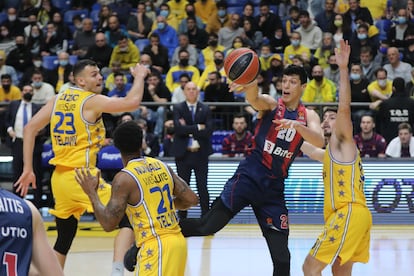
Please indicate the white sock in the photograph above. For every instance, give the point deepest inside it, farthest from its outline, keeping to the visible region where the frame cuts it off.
(117, 269)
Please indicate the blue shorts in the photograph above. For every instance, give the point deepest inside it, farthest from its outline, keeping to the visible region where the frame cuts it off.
(265, 195)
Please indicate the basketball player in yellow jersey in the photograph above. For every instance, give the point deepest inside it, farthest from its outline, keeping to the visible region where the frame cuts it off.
(346, 235)
(149, 191)
(77, 132)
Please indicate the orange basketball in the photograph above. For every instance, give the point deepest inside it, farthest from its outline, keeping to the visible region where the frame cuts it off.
(242, 65)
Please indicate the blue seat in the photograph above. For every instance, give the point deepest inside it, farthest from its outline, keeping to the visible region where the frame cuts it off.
(3, 17)
(217, 139)
(47, 154)
(73, 59)
(68, 15)
(109, 159)
(235, 10)
(62, 5)
(50, 62)
(141, 43)
(201, 62)
(94, 15)
(235, 3)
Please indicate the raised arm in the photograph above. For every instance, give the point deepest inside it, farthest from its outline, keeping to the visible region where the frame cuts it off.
(256, 100)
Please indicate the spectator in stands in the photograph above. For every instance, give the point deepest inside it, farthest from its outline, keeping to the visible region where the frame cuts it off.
(7, 69)
(268, 22)
(360, 40)
(326, 50)
(150, 141)
(369, 143)
(240, 142)
(115, 31)
(61, 27)
(31, 21)
(409, 88)
(34, 40)
(57, 77)
(228, 33)
(52, 42)
(403, 144)
(37, 64)
(45, 12)
(381, 57)
(339, 30)
(170, 18)
(155, 91)
(373, 32)
(292, 22)
(279, 41)
(167, 142)
(126, 52)
(295, 48)
(368, 64)
(84, 39)
(13, 24)
(219, 19)
(395, 110)
(332, 71)
(43, 91)
(208, 52)
(69, 83)
(197, 37)
(100, 51)
(218, 66)
(172, 77)
(177, 9)
(190, 13)
(20, 57)
(151, 7)
(26, 9)
(248, 13)
(376, 8)
(184, 43)
(397, 33)
(408, 52)
(167, 35)
(121, 87)
(15, 122)
(396, 67)
(326, 17)
(77, 24)
(265, 85)
(359, 93)
(355, 10)
(158, 54)
(178, 93)
(380, 89)
(147, 62)
(8, 91)
(275, 70)
(6, 40)
(205, 9)
(319, 89)
(139, 26)
(110, 79)
(103, 22)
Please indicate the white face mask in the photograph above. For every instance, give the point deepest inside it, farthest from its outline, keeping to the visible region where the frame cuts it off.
(12, 17)
(382, 83)
(37, 63)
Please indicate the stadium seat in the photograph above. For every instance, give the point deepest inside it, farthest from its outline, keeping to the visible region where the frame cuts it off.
(235, 10)
(217, 139)
(141, 43)
(109, 158)
(3, 17)
(201, 63)
(47, 154)
(73, 59)
(94, 15)
(68, 15)
(235, 3)
(50, 62)
(62, 5)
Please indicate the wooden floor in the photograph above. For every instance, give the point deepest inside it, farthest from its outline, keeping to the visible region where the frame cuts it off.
(240, 250)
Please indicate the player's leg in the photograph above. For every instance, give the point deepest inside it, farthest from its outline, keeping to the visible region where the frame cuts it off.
(312, 266)
(184, 170)
(277, 243)
(342, 270)
(201, 172)
(123, 241)
(66, 231)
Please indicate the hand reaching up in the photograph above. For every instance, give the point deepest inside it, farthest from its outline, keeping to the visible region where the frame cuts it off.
(342, 54)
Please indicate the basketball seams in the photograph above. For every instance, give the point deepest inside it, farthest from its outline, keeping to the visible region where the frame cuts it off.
(242, 65)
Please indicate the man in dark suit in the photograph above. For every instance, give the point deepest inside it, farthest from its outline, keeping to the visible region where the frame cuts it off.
(18, 114)
(192, 142)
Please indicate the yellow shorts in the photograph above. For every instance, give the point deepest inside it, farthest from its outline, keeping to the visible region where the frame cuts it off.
(69, 197)
(165, 256)
(346, 235)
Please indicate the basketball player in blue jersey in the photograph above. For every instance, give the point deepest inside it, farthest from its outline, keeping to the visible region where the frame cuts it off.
(259, 179)
(23, 239)
(150, 192)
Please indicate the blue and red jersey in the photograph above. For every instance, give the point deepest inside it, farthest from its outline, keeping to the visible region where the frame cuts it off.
(371, 147)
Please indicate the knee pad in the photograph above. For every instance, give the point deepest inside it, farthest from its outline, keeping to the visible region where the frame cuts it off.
(66, 229)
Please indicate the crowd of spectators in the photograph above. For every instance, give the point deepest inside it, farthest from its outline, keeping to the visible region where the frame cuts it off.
(182, 41)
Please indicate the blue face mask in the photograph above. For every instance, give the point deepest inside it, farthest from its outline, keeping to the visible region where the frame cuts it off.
(160, 25)
(221, 13)
(402, 20)
(37, 84)
(147, 8)
(164, 13)
(63, 62)
(355, 76)
(362, 36)
(383, 50)
(295, 42)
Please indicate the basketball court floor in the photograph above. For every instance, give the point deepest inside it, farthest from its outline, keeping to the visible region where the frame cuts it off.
(239, 249)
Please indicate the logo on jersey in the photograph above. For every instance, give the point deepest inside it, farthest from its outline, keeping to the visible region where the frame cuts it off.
(271, 148)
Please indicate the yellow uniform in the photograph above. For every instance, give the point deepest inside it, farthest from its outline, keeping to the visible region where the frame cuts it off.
(75, 143)
(163, 249)
(347, 218)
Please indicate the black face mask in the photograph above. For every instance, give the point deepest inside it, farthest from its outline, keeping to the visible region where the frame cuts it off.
(6, 87)
(27, 96)
(213, 43)
(218, 61)
(20, 46)
(318, 78)
(410, 41)
(190, 13)
(184, 61)
(334, 67)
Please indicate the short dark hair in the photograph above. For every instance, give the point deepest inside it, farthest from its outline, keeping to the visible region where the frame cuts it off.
(296, 70)
(6, 77)
(118, 74)
(128, 138)
(398, 84)
(381, 69)
(80, 65)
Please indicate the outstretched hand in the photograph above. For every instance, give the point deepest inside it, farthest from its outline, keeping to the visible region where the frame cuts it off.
(22, 184)
(240, 88)
(139, 71)
(88, 182)
(342, 54)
